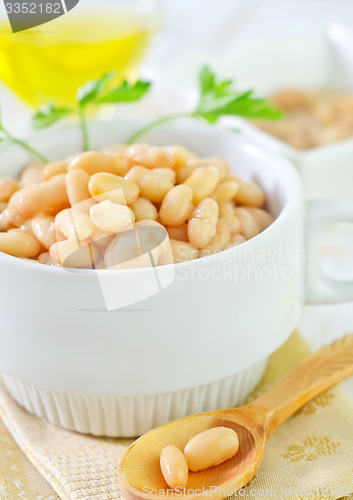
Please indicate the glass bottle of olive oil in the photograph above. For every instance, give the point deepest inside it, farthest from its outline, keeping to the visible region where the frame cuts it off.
(50, 61)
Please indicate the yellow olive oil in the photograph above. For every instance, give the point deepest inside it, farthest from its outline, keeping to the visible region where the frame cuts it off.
(50, 61)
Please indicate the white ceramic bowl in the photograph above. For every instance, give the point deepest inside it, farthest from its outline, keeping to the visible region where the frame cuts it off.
(193, 337)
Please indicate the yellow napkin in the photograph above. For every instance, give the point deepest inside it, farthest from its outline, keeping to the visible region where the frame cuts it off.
(309, 457)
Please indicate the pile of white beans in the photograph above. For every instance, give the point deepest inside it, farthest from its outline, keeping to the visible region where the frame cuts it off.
(207, 449)
(77, 212)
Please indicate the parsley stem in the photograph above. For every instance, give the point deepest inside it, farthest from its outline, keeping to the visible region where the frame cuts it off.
(84, 128)
(24, 145)
(155, 123)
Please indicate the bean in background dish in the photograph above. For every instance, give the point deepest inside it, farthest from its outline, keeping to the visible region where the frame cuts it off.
(312, 118)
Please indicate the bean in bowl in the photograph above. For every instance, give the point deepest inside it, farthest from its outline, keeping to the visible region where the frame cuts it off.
(123, 206)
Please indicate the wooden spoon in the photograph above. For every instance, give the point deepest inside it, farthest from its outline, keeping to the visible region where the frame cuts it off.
(140, 476)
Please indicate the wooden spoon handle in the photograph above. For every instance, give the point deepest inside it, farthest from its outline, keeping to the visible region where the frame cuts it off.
(322, 370)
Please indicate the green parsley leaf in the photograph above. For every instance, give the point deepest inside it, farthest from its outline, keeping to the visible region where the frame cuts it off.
(126, 92)
(91, 90)
(208, 82)
(219, 98)
(49, 114)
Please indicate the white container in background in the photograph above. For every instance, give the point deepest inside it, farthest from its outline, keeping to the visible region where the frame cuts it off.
(272, 62)
(314, 61)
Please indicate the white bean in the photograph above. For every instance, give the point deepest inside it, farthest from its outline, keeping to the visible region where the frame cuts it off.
(203, 222)
(174, 467)
(211, 447)
(111, 217)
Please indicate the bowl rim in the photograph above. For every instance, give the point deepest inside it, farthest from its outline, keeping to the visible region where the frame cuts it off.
(279, 161)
